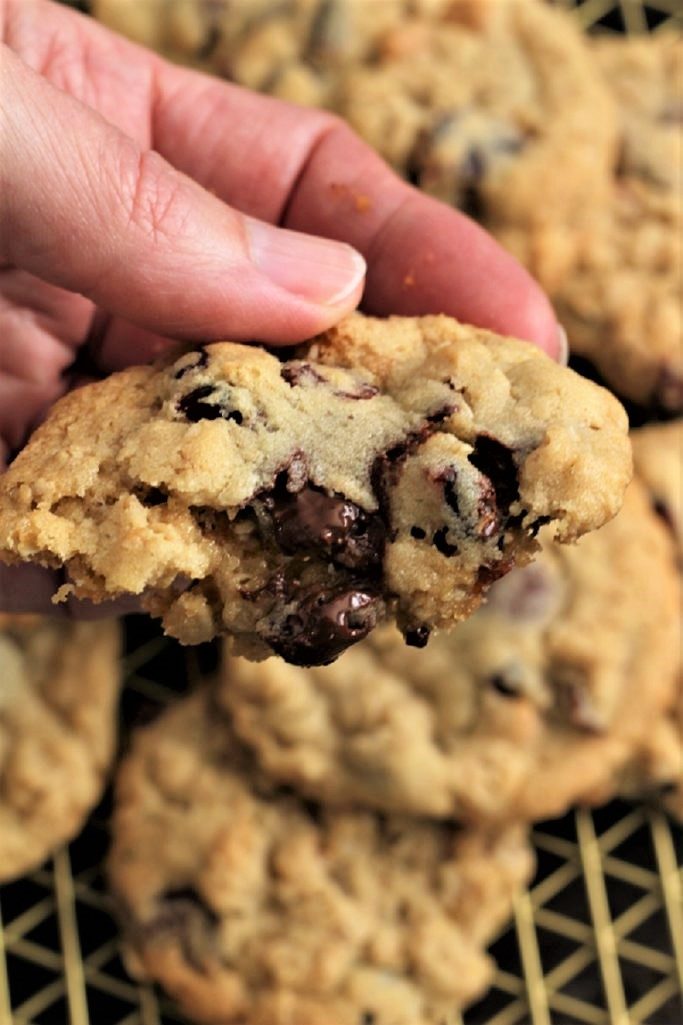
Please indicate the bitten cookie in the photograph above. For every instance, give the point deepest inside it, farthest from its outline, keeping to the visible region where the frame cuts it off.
(251, 906)
(658, 767)
(59, 685)
(616, 277)
(536, 702)
(393, 469)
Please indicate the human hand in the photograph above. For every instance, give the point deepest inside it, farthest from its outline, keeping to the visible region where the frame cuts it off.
(142, 202)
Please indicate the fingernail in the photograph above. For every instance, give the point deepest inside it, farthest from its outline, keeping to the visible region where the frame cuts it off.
(562, 346)
(317, 269)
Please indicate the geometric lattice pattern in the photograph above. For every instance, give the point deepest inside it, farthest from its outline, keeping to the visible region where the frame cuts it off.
(596, 940)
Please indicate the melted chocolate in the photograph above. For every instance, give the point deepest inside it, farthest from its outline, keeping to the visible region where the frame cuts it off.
(496, 462)
(327, 622)
(312, 521)
(417, 637)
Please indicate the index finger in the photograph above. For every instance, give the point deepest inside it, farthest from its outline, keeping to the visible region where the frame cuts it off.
(307, 170)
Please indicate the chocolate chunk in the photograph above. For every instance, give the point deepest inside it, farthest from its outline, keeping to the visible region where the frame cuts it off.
(363, 391)
(539, 522)
(418, 533)
(201, 360)
(417, 637)
(663, 510)
(574, 700)
(195, 407)
(183, 913)
(296, 373)
(486, 575)
(440, 542)
(507, 682)
(151, 497)
(668, 393)
(386, 467)
(326, 622)
(449, 478)
(496, 462)
(311, 520)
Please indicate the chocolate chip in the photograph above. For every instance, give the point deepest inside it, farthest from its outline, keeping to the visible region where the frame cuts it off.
(387, 466)
(418, 533)
(326, 622)
(440, 542)
(363, 391)
(195, 407)
(539, 522)
(151, 497)
(574, 700)
(201, 360)
(506, 683)
(311, 520)
(496, 462)
(663, 510)
(449, 478)
(209, 43)
(184, 914)
(417, 637)
(486, 575)
(668, 392)
(296, 373)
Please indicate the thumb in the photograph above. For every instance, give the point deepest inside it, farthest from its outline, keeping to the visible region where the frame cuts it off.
(84, 207)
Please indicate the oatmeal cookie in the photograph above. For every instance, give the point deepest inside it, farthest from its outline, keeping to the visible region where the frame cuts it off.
(534, 703)
(481, 106)
(391, 469)
(294, 49)
(616, 273)
(250, 905)
(658, 767)
(59, 684)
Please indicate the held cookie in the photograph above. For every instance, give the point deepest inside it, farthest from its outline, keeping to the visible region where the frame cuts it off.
(495, 108)
(59, 684)
(393, 469)
(251, 906)
(534, 703)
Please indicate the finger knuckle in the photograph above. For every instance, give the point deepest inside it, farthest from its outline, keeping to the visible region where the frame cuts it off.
(153, 198)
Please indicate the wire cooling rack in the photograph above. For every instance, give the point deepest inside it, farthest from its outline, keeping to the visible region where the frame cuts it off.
(596, 940)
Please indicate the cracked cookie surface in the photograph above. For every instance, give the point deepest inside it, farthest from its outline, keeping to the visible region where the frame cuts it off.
(250, 905)
(59, 685)
(393, 469)
(536, 702)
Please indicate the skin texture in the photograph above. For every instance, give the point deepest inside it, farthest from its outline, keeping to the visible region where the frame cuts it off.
(130, 228)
